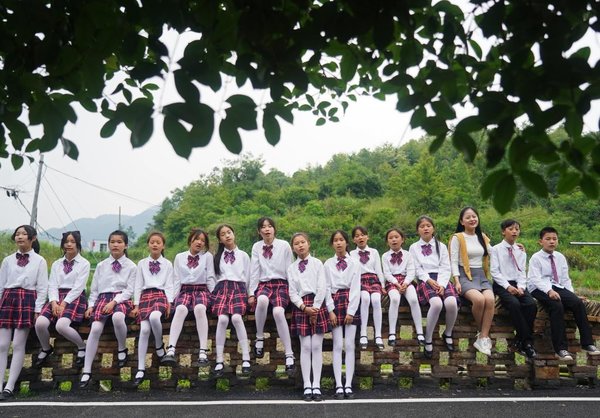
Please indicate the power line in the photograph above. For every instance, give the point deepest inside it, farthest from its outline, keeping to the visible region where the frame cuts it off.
(60, 202)
(37, 223)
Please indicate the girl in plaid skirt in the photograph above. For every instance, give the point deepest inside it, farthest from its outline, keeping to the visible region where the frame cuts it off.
(308, 290)
(23, 289)
(193, 282)
(110, 297)
(343, 280)
(152, 298)
(232, 269)
(398, 269)
(269, 286)
(432, 268)
(67, 302)
(372, 285)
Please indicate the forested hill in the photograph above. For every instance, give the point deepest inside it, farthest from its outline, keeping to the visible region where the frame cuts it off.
(380, 188)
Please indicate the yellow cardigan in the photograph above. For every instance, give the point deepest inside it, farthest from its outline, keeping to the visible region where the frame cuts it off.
(464, 257)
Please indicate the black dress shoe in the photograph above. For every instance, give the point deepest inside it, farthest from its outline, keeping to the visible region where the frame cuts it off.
(317, 396)
(139, 379)
(449, 345)
(84, 383)
(218, 370)
(339, 393)
(80, 360)
(307, 395)
(428, 353)
(348, 394)
(122, 363)
(7, 395)
(40, 361)
(246, 367)
(259, 352)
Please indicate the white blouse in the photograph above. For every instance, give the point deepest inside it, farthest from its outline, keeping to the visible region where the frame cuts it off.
(432, 263)
(238, 271)
(204, 273)
(106, 280)
(311, 281)
(346, 279)
(146, 280)
(33, 276)
(263, 269)
(405, 268)
(372, 266)
(75, 280)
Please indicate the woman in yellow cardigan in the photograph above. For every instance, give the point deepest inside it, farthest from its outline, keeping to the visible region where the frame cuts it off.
(470, 261)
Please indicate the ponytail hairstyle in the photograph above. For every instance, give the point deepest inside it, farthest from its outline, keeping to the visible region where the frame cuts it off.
(461, 228)
(194, 234)
(121, 234)
(425, 218)
(220, 248)
(161, 236)
(344, 234)
(76, 236)
(31, 234)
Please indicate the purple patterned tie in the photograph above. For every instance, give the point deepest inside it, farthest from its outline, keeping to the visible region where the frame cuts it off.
(341, 264)
(426, 250)
(229, 257)
(302, 265)
(514, 260)
(154, 267)
(22, 259)
(267, 251)
(193, 261)
(68, 265)
(396, 258)
(364, 256)
(554, 271)
(116, 266)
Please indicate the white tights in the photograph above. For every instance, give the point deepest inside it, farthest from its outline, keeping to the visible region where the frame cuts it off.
(343, 339)
(283, 329)
(240, 330)
(151, 324)
(311, 357)
(181, 313)
(374, 299)
(415, 308)
(435, 308)
(118, 320)
(19, 339)
(63, 327)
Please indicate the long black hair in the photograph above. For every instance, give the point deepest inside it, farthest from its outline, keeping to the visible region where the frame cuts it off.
(461, 228)
(123, 235)
(76, 236)
(194, 234)
(220, 248)
(31, 234)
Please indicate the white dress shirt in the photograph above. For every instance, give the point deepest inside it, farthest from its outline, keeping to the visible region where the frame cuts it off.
(264, 269)
(75, 280)
(372, 266)
(106, 280)
(238, 271)
(33, 276)
(346, 279)
(540, 272)
(203, 274)
(312, 280)
(406, 267)
(433, 263)
(162, 280)
(503, 268)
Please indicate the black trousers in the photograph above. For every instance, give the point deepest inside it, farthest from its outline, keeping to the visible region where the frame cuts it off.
(556, 310)
(522, 311)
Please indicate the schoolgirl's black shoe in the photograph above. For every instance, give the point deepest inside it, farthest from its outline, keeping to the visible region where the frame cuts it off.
(339, 393)
(218, 370)
(290, 367)
(43, 357)
(316, 395)
(348, 394)
(246, 367)
(80, 360)
(259, 352)
(307, 396)
(121, 362)
(139, 378)
(7, 395)
(202, 358)
(84, 383)
(428, 353)
(448, 341)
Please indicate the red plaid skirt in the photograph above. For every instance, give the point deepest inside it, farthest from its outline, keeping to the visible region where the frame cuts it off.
(17, 308)
(74, 310)
(276, 290)
(191, 295)
(105, 298)
(426, 292)
(391, 286)
(369, 282)
(340, 301)
(229, 297)
(301, 322)
(152, 300)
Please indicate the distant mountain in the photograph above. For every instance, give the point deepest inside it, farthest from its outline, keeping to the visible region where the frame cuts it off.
(97, 229)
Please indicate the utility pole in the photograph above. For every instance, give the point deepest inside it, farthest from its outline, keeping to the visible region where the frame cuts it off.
(120, 219)
(33, 220)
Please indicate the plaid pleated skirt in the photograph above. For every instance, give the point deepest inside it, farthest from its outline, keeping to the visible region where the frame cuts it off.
(369, 282)
(341, 299)
(301, 325)
(426, 292)
(17, 308)
(191, 295)
(391, 286)
(229, 298)
(105, 298)
(74, 310)
(276, 290)
(152, 299)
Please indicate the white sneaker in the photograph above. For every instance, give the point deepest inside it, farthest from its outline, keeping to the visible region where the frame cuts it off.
(591, 350)
(483, 346)
(564, 355)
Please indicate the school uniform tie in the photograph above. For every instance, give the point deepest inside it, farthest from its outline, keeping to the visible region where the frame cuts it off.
(514, 260)
(302, 265)
(229, 257)
(554, 271)
(116, 266)
(426, 250)
(154, 266)
(68, 265)
(267, 251)
(193, 261)
(22, 259)
(364, 256)
(341, 264)
(396, 258)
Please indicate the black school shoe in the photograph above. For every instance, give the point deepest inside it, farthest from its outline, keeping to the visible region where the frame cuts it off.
(316, 395)
(7, 395)
(528, 351)
(307, 396)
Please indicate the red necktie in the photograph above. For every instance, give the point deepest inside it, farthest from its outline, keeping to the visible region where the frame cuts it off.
(554, 271)
(514, 260)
